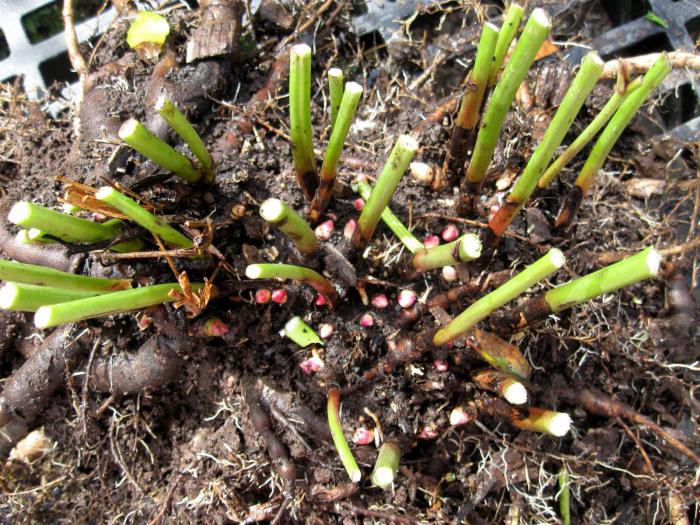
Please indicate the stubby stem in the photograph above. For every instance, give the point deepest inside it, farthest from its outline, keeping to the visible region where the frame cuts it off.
(509, 28)
(300, 332)
(286, 219)
(386, 465)
(297, 273)
(546, 421)
(466, 248)
(29, 298)
(341, 444)
(335, 92)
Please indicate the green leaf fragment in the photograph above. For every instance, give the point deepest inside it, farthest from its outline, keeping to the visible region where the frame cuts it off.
(148, 28)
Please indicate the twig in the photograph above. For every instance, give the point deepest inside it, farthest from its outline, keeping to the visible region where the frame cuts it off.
(117, 455)
(159, 517)
(74, 55)
(642, 63)
(681, 248)
(636, 441)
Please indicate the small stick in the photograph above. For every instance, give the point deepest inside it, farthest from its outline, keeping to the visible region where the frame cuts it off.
(147, 144)
(286, 219)
(509, 28)
(470, 107)
(300, 119)
(42, 276)
(182, 127)
(329, 168)
(466, 248)
(643, 63)
(108, 304)
(540, 269)
(587, 134)
(296, 273)
(399, 159)
(335, 90)
(591, 66)
(534, 33)
(29, 298)
(628, 271)
(341, 444)
(386, 465)
(607, 140)
(404, 235)
(143, 218)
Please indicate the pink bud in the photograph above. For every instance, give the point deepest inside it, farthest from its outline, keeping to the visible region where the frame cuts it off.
(440, 365)
(450, 233)
(215, 327)
(324, 230)
(363, 436)
(366, 320)
(263, 296)
(431, 241)
(312, 364)
(279, 296)
(325, 330)
(428, 432)
(358, 204)
(407, 298)
(349, 229)
(459, 417)
(320, 300)
(449, 273)
(99, 216)
(380, 301)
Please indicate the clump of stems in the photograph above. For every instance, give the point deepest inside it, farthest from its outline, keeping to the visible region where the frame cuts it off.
(617, 98)
(404, 235)
(107, 304)
(534, 33)
(142, 217)
(545, 421)
(608, 138)
(335, 90)
(470, 107)
(12, 271)
(286, 219)
(540, 269)
(300, 119)
(591, 68)
(399, 159)
(466, 248)
(182, 127)
(346, 113)
(386, 465)
(296, 273)
(341, 444)
(509, 28)
(300, 332)
(147, 144)
(29, 298)
(494, 381)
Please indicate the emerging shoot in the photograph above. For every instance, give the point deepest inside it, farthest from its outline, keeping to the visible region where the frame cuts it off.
(341, 444)
(466, 248)
(509, 28)
(300, 332)
(147, 144)
(608, 138)
(386, 465)
(296, 273)
(346, 113)
(29, 298)
(335, 90)
(42, 276)
(591, 68)
(286, 219)
(300, 119)
(401, 155)
(182, 127)
(540, 269)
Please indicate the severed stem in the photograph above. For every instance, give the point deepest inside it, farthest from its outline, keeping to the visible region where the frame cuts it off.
(335, 90)
(466, 248)
(546, 421)
(296, 273)
(341, 444)
(42, 276)
(509, 28)
(386, 465)
(29, 298)
(495, 381)
(286, 219)
(300, 332)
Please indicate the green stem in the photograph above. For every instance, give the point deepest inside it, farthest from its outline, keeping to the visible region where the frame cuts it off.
(300, 332)
(386, 465)
(643, 265)
(341, 444)
(540, 269)
(296, 273)
(300, 119)
(26, 237)
(182, 127)
(564, 494)
(143, 218)
(62, 226)
(535, 32)
(409, 240)
(591, 68)
(29, 298)
(346, 113)
(545, 421)
(399, 159)
(335, 90)
(286, 219)
(466, 248)
(147, 144)
(42, 276)
(108, 304)
(587, 134)
(509, 28)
